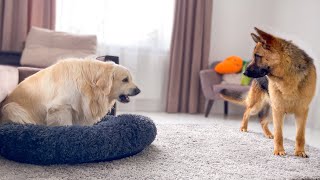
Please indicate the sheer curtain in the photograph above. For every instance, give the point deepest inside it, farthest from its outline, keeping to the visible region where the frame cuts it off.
(138, 31)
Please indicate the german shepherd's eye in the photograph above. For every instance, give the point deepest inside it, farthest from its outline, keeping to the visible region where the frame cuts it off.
(257, 57)
(125, 80)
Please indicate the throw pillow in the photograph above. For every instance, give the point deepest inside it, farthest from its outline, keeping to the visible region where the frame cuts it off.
(232, 64)
(45, 47)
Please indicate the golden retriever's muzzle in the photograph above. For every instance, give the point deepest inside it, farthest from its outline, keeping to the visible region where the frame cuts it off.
(124, 98)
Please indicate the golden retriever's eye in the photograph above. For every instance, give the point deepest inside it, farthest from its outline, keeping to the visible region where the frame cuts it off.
(125, 80)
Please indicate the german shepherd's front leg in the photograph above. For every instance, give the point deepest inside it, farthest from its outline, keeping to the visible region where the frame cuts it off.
(301, 119)
(278, 138)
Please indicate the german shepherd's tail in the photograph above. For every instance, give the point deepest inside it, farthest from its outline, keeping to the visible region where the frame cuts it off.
(233, 96)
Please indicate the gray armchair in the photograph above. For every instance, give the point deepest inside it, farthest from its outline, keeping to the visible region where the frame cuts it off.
(211, 87)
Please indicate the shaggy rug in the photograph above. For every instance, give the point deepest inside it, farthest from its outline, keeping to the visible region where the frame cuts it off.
(187, 151)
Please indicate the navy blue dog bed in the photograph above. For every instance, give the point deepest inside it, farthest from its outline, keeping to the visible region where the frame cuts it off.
(113, 138)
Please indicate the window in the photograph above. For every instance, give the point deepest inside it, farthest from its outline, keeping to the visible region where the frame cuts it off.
(138, 31)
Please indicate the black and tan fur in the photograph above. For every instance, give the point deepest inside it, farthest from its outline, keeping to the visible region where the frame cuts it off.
(291, 78)
(256, 103)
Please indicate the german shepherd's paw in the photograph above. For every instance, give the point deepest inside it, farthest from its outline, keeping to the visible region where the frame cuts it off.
(279, 152)
(269, 136)
(244, 129)
(301, 154)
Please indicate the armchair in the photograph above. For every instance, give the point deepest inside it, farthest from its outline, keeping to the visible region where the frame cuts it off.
(211, 87)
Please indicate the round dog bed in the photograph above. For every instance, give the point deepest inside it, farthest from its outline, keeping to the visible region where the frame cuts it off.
(113, 138)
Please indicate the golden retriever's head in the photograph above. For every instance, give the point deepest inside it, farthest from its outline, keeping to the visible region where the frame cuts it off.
(122, 85)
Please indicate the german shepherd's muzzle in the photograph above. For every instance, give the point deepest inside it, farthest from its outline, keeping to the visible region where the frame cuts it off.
(254, 71)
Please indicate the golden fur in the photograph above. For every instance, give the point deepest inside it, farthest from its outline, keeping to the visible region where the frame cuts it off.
(292, 82)
(72, 91)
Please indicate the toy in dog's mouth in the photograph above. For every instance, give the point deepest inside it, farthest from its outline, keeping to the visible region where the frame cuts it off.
(124, 98)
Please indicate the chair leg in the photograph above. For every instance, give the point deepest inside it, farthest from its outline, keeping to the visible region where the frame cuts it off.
(225, 107)
(208, 108)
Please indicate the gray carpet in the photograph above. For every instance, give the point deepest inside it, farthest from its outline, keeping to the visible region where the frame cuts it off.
(189, 151)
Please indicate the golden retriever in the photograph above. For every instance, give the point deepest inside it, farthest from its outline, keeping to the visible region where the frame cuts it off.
(70, 92)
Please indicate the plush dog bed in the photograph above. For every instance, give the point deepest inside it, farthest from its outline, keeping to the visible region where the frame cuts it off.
(113, 138)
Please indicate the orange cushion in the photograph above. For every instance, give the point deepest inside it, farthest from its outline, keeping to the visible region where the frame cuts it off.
(232, 64)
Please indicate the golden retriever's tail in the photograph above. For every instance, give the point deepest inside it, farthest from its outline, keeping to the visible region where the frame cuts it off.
(233, 96)
(13, 112)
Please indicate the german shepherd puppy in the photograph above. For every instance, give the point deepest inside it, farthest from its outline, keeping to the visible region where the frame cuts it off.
(291, 83)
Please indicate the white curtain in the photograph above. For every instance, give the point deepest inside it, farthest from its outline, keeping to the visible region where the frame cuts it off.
(138, 31)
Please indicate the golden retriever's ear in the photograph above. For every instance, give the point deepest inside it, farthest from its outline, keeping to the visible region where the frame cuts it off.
(105, 79)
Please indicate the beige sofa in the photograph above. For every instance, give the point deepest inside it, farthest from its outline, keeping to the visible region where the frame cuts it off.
(43, 48)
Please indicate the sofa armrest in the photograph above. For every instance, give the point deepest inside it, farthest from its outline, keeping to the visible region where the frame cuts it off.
(9, 80)
(208, 78)
(25, 72)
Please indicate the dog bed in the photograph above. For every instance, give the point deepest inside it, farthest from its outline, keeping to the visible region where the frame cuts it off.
(113, 138)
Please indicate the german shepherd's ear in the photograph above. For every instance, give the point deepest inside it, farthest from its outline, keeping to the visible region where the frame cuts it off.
(255, 37)
(266, 39)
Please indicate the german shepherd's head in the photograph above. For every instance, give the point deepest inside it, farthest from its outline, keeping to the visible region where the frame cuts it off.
(266, 55)
(274, 56)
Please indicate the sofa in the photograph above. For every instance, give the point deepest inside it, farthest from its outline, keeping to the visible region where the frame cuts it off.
(42, 48)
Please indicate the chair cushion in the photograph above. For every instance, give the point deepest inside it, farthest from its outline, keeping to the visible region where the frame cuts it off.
(231, 79)
(218, 87)
(45, 47)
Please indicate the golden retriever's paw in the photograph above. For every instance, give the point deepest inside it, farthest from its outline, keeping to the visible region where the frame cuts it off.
(279, 152)
(269, 136)
(243, 129)
(301, 154)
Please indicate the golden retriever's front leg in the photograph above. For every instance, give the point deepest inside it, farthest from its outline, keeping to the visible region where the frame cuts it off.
(278, 138)
(59, 115)
(301, 119)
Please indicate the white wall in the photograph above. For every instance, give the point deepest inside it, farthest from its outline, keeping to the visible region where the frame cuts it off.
(297, 20)
(232, 23)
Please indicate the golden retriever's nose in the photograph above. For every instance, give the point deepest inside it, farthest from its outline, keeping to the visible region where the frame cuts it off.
(136, 91)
